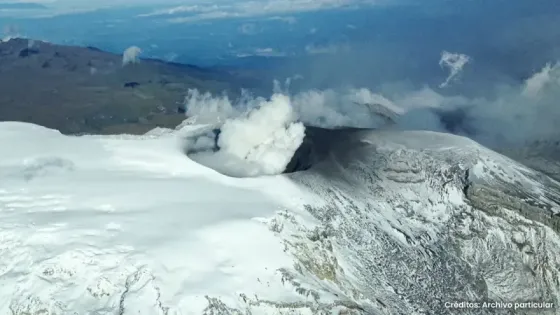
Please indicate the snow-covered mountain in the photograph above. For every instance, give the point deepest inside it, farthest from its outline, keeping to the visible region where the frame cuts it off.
(383, 222)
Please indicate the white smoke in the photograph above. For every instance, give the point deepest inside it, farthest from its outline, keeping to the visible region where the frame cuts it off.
(260, 142)
(259, 136)
(454, 62)
(10, 32)
(270, 133)
(516, 115)
(535, 85)
(358, 108)
(211, 109)
(131, 55)
(336, 109)
(523, 114)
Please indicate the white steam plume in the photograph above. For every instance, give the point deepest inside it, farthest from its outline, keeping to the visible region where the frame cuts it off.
(261, 142)
(131, 55)
(517, 115)
(455, 63)
(270, 133)
(10, 32)
(535, 85)
(259, 136)
(359, 108)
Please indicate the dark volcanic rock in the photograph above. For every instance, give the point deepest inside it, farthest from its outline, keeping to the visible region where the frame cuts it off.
(26, 52)
(131, 84)
(94, 48)
(317, 144)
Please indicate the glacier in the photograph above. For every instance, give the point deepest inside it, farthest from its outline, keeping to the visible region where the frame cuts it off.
(385, 222)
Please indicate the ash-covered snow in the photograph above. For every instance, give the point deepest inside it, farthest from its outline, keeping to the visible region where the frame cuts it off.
(391, 222)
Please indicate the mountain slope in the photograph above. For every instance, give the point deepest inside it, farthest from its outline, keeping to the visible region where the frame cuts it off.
(79, 89)
(387, 222)
(428, 218)
(543, 155)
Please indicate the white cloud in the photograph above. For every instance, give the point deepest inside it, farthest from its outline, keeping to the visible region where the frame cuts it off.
(313, 49)
(194, 8)
(455, 63)
(249, 29)
(285, 19)
(184, 11)
(171, 57)
(540, 80)
(268, 52)
(262, 52)
(54, 8)
(251, 8)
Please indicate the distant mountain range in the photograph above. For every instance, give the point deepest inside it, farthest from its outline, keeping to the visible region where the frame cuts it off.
(87, 90)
